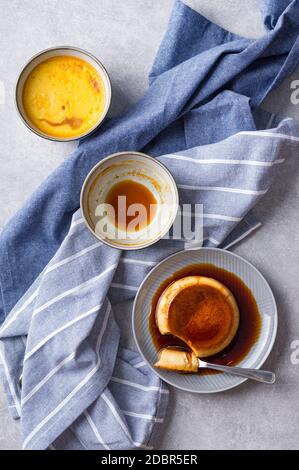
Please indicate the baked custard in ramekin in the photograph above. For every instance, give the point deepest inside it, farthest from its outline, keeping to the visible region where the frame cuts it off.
(63, 93)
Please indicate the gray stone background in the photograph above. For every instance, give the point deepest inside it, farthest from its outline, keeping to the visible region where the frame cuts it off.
(125, 35)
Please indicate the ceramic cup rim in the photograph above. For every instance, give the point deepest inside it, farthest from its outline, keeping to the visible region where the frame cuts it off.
(89, 57)
(84, 195)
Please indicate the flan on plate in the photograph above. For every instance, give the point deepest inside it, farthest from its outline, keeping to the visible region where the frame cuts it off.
(176, 359)
(200, 311)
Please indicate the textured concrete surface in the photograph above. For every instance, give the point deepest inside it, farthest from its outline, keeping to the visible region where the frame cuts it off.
(125, 36)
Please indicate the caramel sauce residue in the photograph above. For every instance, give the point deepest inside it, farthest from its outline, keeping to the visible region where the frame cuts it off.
(135, 193)
(250, 318)
(74, 123)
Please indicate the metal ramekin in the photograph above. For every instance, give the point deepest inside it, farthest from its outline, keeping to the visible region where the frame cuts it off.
(53, 52)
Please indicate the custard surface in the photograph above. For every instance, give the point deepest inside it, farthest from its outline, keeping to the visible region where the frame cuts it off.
(64, 96)
(200, 311)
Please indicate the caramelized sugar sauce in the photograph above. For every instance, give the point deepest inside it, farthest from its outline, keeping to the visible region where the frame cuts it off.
(135, 193)
(250, 318)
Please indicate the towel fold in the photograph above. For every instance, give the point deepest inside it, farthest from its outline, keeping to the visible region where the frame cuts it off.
(65, 374)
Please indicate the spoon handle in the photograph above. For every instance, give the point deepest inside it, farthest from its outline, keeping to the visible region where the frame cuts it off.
(254, 374)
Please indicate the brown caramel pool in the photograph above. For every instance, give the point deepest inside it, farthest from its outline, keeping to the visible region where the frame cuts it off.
(249, 316)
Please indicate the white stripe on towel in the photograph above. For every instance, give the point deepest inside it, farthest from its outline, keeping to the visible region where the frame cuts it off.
(143, 416)
(116, 415)
(228, 218)
(269, 124)
(205, 215)
(59, 330)
(72, 291)
(245, 234)
(145, 388)
(191, 240)
(71, 258)
(142, 446)
(138, 261)
(190, 244)
(95, 430)
(47, 377)
(212, 240)
(140, 364)
(123, 286)
(269, 134)
(121, 422)
(77, 388)
(224, 161)
(10, 383)
(76, 222)
(251, 192)
(20, 310)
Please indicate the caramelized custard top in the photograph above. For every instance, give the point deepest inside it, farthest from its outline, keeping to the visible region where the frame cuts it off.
(201, 314)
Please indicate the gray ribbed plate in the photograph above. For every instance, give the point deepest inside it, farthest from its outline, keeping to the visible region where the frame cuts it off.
(223, 259)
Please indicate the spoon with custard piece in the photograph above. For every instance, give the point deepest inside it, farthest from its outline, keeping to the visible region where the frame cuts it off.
(183, 361)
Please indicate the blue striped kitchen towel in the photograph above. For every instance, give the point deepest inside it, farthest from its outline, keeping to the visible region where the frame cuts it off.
(65, 375)
(203, 86)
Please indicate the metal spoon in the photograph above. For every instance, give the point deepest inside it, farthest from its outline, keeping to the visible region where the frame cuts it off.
(264, 376)
(178, 359)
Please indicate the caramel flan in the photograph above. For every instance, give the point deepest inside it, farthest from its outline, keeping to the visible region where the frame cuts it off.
(200, 311)
(177, 360)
